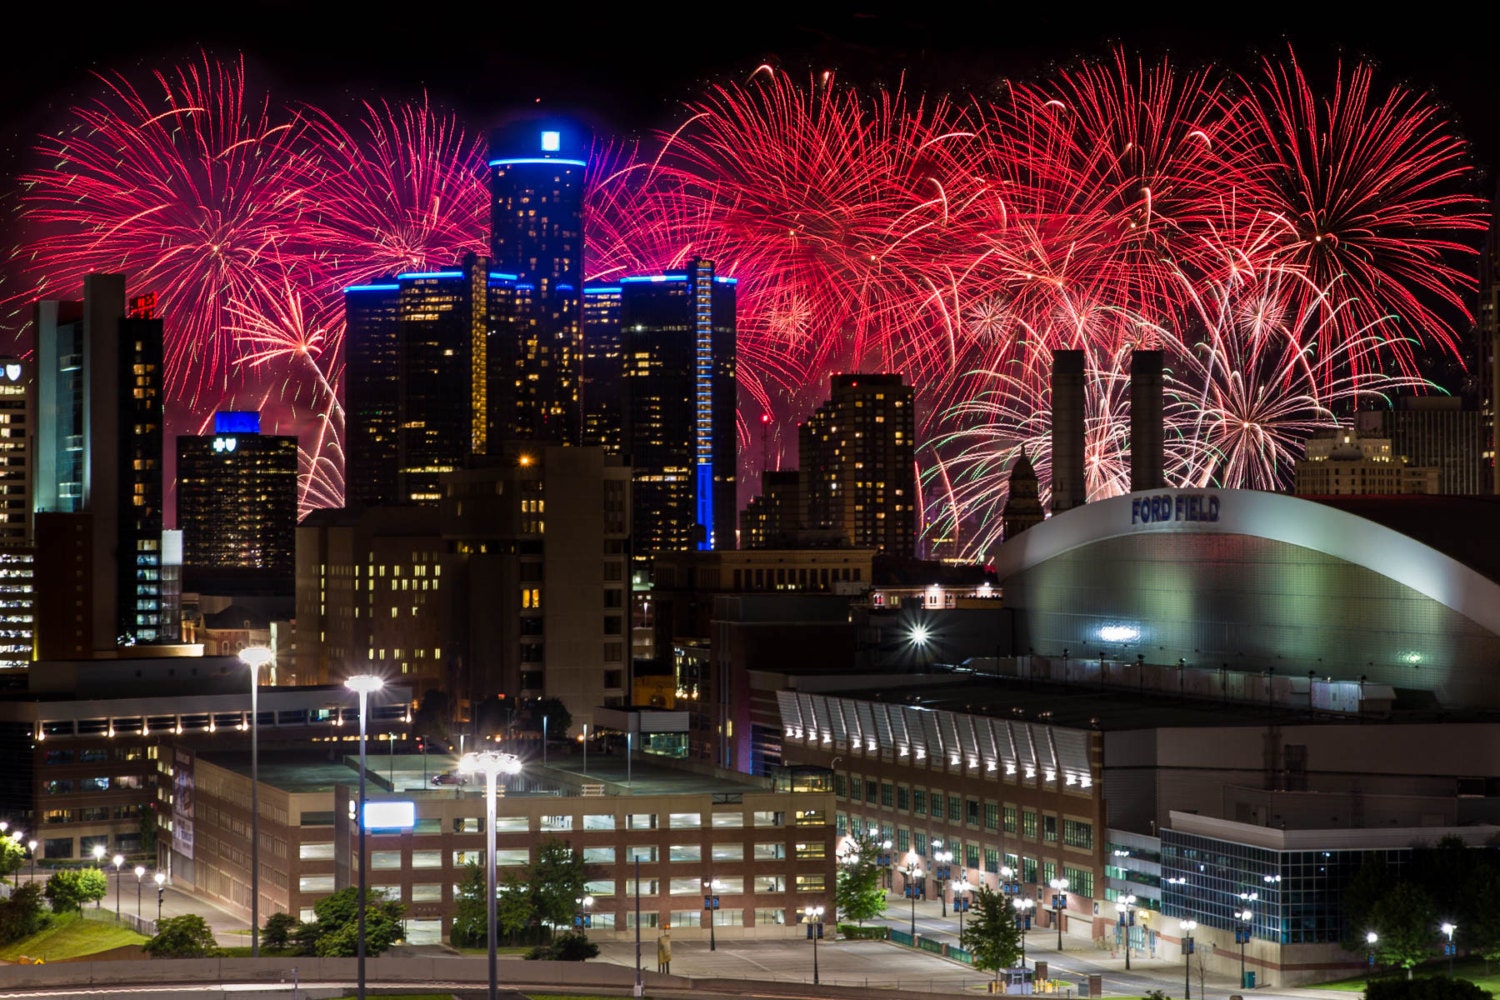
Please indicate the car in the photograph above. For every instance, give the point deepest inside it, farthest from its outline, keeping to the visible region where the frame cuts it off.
(450, 778)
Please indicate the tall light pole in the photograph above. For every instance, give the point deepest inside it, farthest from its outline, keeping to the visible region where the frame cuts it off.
(1127, 920)
(31, 846)
(1023, 918)
(161, 882)
(1188, 926)
(813, 918)
(911, 872)
(1370, 939)
(1060, 903)
(1242, 937)
(255, 657)
(492, 764)
(1448, 929)
(363, 685)
(16, 836)
(140, 870)
(118, 859)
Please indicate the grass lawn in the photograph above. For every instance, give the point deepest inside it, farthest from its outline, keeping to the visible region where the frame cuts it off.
(70, 936)
(1485, 975)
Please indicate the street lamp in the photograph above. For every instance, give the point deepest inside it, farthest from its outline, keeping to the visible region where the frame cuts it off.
(1188, 926)
(1127, 920)
(961, 904)
(711, 904)
(1448, 948)
(883, 859)
(1370, 940)
(912, 871)
(492, 764)
(31, 846)
(16, 836)
(941, 872)
(161, 881)
(98, 863)
(813, 918)
(584, 920)
(1242, 937)
(256, 657)
(140, 870)
(1059, 904)
(119, 860)
(1023, 907)
(363, 685)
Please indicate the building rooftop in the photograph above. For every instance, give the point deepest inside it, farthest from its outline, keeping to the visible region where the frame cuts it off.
(1460, 527)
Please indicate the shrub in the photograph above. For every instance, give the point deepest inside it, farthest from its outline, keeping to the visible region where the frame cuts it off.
(1426, 988)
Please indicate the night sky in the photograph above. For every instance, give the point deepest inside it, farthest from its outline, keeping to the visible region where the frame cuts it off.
(631, 68)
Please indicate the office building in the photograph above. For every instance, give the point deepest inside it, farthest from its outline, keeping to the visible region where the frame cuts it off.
(857, 461)
(536, 233)
(17, 431)
(426, 376)
(237, 507)
(1438, 431)
(516, 583)
(1487, 329)
(99, 464)
(678, 431)
(603, 369)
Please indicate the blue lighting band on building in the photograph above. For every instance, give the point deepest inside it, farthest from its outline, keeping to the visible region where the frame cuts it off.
(727, 281)
(653, 277)
(602, 290)
(497, 276)
(417, 275)
(540, 159)
(706, 504)
(372, 288)
(237, 422)
(565, 288)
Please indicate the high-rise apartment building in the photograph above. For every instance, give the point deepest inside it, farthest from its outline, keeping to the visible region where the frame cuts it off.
(677, 431)
(603, 369)
(536, 233)
(237, 507)
(856, 454)
(1347, 463)
(1487, 326)
(99, 468)
(425, 384)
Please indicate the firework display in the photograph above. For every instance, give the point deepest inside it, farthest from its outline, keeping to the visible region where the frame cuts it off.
(1290, 249)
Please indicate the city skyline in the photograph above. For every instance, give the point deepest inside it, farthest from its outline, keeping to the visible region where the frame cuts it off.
(768, 392)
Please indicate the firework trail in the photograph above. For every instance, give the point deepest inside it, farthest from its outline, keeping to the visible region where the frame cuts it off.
(189, 189)
(1282, 249)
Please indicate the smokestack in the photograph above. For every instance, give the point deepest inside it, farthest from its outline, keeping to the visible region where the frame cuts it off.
(1146, 455)
(1069, 489)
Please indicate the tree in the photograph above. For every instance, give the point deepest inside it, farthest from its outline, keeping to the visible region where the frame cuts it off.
(70, 888)
(22, 914)
(555, 878)
(1426, 988)
(992, 937)
(514, 909)
(1358, 900)
(149, 829)
(187, 936)
(1483, 933)
(559, 719)
(1404, 922)
(472, 914)
(859, 889)
(430, 721)
(12, 856)
(277, 934)
(338, 923)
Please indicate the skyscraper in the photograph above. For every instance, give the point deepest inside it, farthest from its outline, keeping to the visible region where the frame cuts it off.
(536, 233)
(237, 507)
(856, 454)
(426, 381)
(678, 420)
(99, 456)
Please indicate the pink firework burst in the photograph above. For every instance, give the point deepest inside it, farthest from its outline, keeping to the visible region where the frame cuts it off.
(189, 191)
